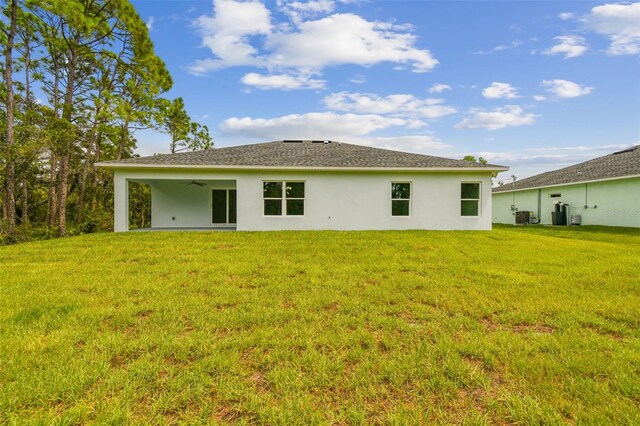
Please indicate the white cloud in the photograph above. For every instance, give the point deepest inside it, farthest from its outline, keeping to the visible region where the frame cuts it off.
(500, 48)
(315, 125)
(566, 88)
(565, 16)
(227, 34)
(439, 88)
(347, 39)
(571, 46)
(297, 11)
(358, 79)
(150, 23)
(281, 81)
(621, 23)
(509, 116)
(305, 46)
(539, 98)
(500, 91)
(399, 105)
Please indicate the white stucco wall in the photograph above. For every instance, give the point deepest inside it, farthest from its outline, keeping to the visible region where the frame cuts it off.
(333, 200)
(174, 204)
(609, 203)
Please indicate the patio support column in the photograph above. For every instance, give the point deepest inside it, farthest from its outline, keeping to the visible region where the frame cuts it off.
(120, 203)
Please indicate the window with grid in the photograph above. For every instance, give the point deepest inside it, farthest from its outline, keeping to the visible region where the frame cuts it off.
(400, 198)
(470, 198)
(283, 198)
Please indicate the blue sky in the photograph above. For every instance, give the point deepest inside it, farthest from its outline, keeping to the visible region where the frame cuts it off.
(529, 84)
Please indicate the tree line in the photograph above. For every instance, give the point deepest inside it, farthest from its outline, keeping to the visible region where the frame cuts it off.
(80, 78)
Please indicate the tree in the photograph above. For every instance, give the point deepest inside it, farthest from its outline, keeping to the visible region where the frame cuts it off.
(176, 123)
(480, 160)
(95, 64)
(185, 134)
(9, 200)
(198, 138)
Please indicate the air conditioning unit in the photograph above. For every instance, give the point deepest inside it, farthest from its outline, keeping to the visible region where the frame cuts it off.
(523, 217)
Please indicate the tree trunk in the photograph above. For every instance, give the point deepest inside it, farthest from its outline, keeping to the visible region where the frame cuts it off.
(123, 140)
(24, 218)
(62, 195)
(53, 176)
(97, 190)
(67, 111)
(88, 163)
(9, 180)
(52, 215)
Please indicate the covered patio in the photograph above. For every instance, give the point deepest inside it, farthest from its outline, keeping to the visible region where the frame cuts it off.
(180, 204)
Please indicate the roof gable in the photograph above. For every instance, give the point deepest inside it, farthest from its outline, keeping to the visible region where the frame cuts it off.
(617, 165)
(299, 154)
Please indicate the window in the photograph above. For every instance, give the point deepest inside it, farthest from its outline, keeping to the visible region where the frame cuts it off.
(400, 198)
(283, 198)
(470, 198)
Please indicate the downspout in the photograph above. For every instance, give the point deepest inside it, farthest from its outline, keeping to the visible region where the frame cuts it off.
(586, 195)
(539, 207)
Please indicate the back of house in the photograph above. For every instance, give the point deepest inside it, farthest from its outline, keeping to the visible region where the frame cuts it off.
(306, 185)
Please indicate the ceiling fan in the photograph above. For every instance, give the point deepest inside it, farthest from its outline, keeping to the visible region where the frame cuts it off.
(193, 182)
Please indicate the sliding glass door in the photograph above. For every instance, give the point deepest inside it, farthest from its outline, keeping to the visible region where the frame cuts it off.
(223, 206)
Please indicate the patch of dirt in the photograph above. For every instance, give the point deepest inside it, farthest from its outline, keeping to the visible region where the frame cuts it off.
(223, 306)
(249, 286)
(222, 247)
(259, 381)
(333, 306)
(409, 318)
(233, 279)
(118, 361)
(492, 325)
(489, 324)
(288, 304)
(475, 362)
(536, 328)
(598, 329)
(185, 331)
(224, 414)
(142, 315)
(296, 274)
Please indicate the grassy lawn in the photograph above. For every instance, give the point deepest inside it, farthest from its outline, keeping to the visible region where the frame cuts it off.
(518, 325)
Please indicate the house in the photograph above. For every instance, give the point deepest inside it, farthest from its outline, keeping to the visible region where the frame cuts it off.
(299, 185)
(603, 191)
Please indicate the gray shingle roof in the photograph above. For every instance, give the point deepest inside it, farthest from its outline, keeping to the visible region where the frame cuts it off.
(302, 154)
(619, 164)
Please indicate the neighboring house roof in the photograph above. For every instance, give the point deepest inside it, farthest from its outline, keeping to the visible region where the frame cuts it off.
(299, 154)
(620, 164)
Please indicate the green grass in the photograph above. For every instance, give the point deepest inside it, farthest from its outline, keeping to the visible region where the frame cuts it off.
(518, 325)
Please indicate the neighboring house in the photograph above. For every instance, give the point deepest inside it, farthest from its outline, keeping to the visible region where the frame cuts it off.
(291, 185)
(603, 191)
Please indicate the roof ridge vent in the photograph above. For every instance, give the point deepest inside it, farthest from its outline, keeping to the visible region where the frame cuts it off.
(324, 142)
(292, 141)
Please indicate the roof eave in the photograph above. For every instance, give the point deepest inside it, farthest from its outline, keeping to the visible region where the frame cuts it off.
(563, 184)
(113, 166)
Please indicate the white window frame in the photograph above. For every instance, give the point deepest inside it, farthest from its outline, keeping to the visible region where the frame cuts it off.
(479, 199)
(402, 199)
(283, 199)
